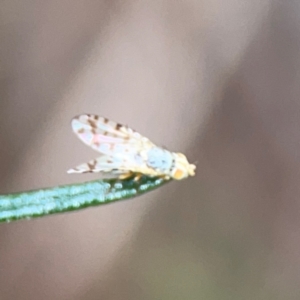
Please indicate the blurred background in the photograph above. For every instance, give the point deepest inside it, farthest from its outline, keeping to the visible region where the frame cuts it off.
(216, 80)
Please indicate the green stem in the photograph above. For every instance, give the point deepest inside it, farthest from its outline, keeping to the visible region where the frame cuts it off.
(43, 202)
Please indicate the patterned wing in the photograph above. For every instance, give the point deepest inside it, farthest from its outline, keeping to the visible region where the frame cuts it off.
(108, 137)
(107, 164)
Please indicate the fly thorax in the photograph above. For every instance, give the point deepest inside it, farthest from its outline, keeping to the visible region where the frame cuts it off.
(159, 159)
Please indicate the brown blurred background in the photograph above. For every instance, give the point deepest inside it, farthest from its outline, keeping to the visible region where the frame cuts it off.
(217, 80)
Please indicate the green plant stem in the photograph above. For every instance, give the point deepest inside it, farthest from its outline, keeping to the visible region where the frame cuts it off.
(43, 202)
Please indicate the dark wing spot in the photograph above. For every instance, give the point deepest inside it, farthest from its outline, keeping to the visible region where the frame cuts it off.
(105, 120)
(92, 164)
(93, 125)
(118, 126)
(81, 130)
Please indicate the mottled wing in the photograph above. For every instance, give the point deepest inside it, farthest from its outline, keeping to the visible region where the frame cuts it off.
(108, 137)
(107, 164)
(120, 145)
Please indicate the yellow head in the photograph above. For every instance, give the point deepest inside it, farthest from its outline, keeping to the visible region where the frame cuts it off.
(182, 168)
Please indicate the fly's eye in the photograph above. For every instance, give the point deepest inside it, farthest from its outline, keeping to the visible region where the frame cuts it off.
(178, 174)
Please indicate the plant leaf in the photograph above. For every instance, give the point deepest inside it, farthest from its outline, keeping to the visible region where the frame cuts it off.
(43, 202)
